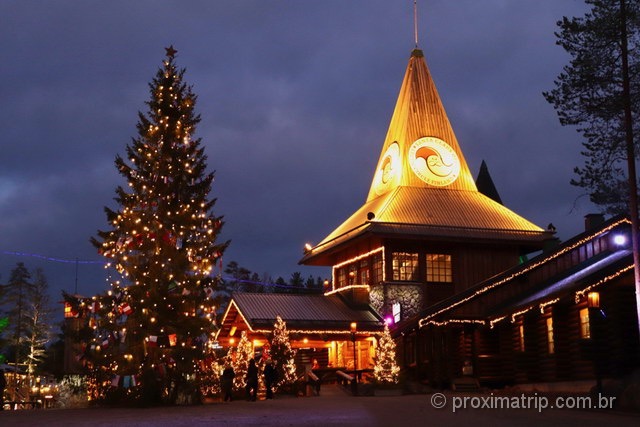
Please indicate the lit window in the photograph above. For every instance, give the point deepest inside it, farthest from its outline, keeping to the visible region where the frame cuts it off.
(585, 326)
(551, 345)
(521, 337)
(377, 269)
(405, 266)
(342, 277)
(439, 268)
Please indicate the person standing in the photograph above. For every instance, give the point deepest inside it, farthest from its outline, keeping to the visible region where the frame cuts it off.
(252, 381)
(227, 382)
(269, 378)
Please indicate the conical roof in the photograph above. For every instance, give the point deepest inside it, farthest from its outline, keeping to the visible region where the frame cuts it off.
(421, 149)
(422, 186)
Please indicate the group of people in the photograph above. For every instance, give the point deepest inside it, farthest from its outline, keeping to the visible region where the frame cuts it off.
(251, 379)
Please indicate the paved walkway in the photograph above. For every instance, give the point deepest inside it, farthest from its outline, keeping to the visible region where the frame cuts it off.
(333, 408)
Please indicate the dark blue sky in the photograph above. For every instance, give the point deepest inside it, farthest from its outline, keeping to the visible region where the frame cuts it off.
(295, 99)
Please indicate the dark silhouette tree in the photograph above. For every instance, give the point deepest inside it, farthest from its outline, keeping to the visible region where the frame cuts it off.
(599, 92)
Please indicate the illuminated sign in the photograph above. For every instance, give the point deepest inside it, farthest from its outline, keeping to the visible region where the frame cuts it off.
(434, 161)
(387, 174)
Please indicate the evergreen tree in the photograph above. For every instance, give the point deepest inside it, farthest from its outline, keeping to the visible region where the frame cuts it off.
(162, 241)
(39, 315)
(210, 373)
(599, 92)
(590, 95)
(386, 369)
(240, 361)
(16, 306)
(282, 354)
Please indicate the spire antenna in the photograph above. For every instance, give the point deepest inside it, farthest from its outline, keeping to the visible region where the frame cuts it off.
(415, 21)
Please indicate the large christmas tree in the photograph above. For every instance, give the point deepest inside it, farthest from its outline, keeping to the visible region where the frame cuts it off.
(153, 325)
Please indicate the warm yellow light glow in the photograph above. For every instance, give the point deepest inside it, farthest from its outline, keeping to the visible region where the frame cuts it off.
(232, 331)
(344, 288)
(389, 170)
(434, 161)
(593, 299)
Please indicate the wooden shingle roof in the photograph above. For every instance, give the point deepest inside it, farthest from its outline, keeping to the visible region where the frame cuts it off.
(300, 312)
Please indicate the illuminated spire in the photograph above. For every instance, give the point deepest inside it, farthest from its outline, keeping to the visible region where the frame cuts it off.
(420, 149)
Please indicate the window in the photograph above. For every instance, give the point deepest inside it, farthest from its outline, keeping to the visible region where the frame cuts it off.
(364, 272)
(396, 310)
(405, 266)
(377, 269)
(585, 326)
(439, 268)
(550, 343)
(342, 277)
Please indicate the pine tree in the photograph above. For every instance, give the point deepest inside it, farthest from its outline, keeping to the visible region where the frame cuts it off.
(589, 94)
(162, 241)
(386, 369)
(210, 371)
(240, 363)
(16, 305)
(282, 354)
(39, 315)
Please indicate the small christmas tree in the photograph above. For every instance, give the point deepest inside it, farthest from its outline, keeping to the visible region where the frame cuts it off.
(210, 372)
(240, 364)
(282, 354)
(153, 325)
(386, 369)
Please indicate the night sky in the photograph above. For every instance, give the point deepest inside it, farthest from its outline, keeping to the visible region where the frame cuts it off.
(295, 98)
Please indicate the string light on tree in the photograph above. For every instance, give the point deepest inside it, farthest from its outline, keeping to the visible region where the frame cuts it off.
(162, 241)
(282, 354)
(386, 369)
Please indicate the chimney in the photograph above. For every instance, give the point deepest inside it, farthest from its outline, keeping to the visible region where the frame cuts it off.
(593, 220)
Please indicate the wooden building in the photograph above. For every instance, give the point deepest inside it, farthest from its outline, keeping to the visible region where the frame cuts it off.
(567, 315)
(425, 231)
(324, 328)
(437, 253)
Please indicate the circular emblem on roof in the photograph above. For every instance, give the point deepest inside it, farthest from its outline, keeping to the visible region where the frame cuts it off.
(387, 174)
(434, 161)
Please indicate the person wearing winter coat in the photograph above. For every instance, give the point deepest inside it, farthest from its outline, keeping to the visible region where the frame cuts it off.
(226, 382)
(252, 381)
(269, 378)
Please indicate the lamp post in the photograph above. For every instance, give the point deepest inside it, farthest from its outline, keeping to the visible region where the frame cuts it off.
(593, 302)
(354, 328)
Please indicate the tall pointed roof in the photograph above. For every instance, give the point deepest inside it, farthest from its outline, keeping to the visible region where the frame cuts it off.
(421, 149)
(422, 185)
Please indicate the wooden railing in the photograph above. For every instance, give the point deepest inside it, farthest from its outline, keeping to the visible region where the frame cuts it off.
(346, 380)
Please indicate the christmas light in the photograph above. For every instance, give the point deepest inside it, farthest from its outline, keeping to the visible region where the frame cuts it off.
(491, 285)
